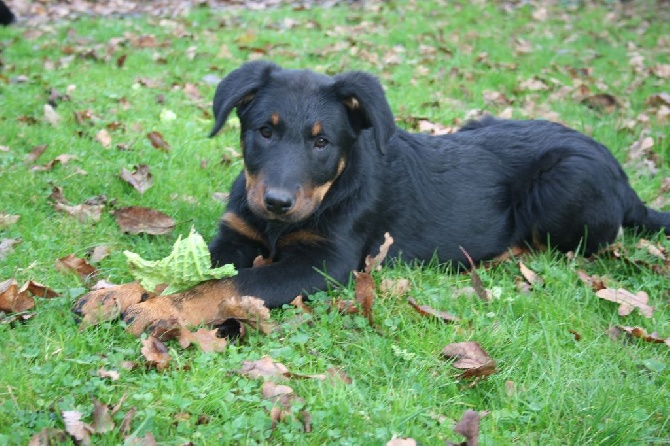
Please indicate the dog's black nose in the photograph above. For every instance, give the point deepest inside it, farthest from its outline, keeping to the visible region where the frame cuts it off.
(278, 201)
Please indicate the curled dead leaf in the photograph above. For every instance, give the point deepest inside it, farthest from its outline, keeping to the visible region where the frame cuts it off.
(156, 353)
(13, 299)
(158, 142)
(374, 263)
(137, 219)
(531, 276)
(266, 367)
(627, 301)
(637, 332)
(477, 283)
(471, 357)
(77, 265)
(364, 291)
(141, 178)
(426, 310)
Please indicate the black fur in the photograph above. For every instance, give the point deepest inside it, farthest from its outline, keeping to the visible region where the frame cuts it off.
(6, 15)
(493, 185)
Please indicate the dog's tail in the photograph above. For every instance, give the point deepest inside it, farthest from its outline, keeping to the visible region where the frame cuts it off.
(641, 217)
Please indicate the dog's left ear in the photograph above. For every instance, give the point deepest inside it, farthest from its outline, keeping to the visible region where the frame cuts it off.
(239, 88)
(366, 104)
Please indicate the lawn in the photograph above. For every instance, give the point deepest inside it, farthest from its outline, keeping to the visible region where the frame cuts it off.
(88, 92)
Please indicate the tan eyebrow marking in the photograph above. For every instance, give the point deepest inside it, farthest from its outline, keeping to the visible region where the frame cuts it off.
(316, 129)
(274, 118)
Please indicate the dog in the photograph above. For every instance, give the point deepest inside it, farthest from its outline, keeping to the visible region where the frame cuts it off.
(327, 173)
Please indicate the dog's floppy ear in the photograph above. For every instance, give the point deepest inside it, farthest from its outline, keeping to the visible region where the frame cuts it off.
(366, 103)
(238, 88)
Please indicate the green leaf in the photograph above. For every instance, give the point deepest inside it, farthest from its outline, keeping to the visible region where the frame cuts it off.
(187, 265)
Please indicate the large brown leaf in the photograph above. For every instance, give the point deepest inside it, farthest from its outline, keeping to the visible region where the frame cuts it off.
(137, 219)
(471, 357)
(627, 301)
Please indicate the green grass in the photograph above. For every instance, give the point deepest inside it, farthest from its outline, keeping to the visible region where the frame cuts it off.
(593, 391)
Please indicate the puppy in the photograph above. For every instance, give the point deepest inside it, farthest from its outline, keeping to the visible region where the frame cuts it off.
(327, 173)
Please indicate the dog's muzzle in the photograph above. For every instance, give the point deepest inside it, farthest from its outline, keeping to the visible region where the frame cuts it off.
(278, 201)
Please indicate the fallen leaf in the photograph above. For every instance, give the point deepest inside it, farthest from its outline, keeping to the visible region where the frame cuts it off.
(477, 284)
(60, 159)
(283, 397)
(136, 220)
(126, 424)
(204, 338)
(374, 263)
(395, 287)
(156, 353)
(471, 357)
(83, 212)
(637, 332)
(12, 299)
(298, 303)
(104, 138)
(7, 246)
(111, 374)
(397, 441)
(158, 142)
(77, 265)
(248, 309)
(627, 300)
(265, 367)
(49, 436)
(364, 291)
(531, 276)
(78, 430)
(7, 220)
(468, 427)
(35, 153)
(577, 336)
(425, 310)
(602, 102)
(102, 418)
(51, 116)
(141, 178)
(594, 282)
(99, 253)
(38, 290)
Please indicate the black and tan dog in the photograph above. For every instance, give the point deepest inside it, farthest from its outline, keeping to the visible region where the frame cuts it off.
(327, 173)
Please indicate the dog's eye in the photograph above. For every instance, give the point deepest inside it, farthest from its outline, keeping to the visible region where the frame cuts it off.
(320, 143)
(266, 132)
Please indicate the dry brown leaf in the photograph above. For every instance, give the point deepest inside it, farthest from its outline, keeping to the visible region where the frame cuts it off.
(204, 338)
(298, 303)
(637, 332)
(7, 246)
(602, 102)
(126, 423)
(13, 300)
(249, 310)
(397, 441)
(111, 374)
(471, 357)
(136, 220)
(158, 142)
(38, 290)
(627, 300)
(77, 265)
(395, 287)
(49, 436)
(78, 430)
(141, 178)
(99, 253)
(531, 276)
(283, 397)
(477, 284)
(104, 138)
(108, 303)
(468, 427)
(35, 153)
(265, 367)
(102, 418)
(156, 353)
(594, 282)
(83, 212)
(51, 116)
(425, 310)
(7, 220)
(364, 291)
(374, 263)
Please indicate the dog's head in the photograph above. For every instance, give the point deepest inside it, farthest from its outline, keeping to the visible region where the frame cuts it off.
(298, 130)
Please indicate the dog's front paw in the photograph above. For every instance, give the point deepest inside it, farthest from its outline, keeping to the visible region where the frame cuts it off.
(158, 312)
(107, 303)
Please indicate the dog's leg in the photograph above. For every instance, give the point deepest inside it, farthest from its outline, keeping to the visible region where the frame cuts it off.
(276, 284)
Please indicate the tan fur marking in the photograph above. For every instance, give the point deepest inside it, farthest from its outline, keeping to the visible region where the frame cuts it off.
(316, 129)
(199, 305)
(274, 118)
(304, 237)
(352, 103)
(237, 224)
